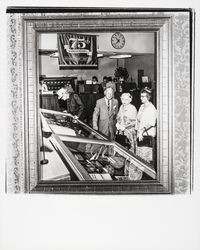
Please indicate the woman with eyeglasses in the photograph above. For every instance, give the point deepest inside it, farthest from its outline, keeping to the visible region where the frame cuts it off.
(146, 126)
(126, 134)
(126, 119)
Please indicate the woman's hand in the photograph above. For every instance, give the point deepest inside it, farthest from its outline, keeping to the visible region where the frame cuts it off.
(139, 135)
(120, 127)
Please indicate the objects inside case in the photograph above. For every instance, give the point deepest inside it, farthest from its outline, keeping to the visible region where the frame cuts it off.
(84, 154)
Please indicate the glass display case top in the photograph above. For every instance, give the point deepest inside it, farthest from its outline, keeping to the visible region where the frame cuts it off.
(66, 124)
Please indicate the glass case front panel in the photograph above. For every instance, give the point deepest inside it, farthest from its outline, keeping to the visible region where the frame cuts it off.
(98, 160)
(102, 158)
(76, 152)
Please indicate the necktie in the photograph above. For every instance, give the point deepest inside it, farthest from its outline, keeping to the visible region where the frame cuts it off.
(108, 105)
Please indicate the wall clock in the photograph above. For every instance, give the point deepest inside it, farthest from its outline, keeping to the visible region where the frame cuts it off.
(118, 40)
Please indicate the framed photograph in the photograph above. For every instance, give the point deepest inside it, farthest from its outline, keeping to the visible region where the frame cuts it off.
(55, 147)
(145, 79)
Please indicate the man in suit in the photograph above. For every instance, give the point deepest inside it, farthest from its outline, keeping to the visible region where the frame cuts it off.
(104, 116)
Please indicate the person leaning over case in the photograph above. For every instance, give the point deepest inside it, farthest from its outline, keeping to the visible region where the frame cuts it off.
(104, 115)
(146, 126)
(69, 101)
(126, 120)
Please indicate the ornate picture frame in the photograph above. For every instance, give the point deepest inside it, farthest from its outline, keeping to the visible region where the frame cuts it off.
(174, 73)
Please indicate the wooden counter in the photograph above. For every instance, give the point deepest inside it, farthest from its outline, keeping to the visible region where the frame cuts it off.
(49, 101)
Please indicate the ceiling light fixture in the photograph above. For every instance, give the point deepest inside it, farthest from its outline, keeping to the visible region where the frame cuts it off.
(55, 54)
(99, 55)
(120, 56)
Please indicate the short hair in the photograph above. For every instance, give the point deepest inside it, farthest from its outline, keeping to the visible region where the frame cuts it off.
(126, 96)
(94, 78)
(105, 78)
(69, 87)
(109, 78)
(148, 92)
(109, 87)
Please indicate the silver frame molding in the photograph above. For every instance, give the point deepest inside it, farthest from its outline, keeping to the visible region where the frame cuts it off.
(23, 71)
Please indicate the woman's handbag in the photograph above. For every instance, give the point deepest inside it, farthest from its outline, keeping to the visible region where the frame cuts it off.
(123, 140)
(147, 140)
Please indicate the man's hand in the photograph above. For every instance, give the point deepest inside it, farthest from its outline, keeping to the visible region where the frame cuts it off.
(95, 127)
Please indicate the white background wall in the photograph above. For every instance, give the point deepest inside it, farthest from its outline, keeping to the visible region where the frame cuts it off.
(135, 43)
(145, 62)
(49, 67)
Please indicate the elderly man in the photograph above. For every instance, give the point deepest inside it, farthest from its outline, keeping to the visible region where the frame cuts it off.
(104, 116)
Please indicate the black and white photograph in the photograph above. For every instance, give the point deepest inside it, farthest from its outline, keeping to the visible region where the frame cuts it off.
(100, 106)
(100, 119)
(100, 126)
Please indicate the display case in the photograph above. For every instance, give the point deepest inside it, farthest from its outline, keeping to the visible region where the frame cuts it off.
(83, 154)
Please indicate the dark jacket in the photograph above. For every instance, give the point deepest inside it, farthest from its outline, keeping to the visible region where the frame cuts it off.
(73, 105)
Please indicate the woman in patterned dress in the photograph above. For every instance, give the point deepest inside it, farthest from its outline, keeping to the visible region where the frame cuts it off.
(126, 120)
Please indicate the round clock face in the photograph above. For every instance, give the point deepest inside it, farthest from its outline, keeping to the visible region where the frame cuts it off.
(118, 40)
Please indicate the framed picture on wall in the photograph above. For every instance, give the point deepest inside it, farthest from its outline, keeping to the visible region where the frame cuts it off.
(54, 148)
(145, 79)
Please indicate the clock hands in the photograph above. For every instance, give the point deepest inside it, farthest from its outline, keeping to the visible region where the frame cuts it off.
(118, 40)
